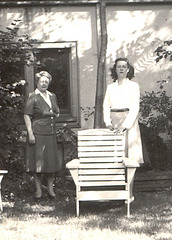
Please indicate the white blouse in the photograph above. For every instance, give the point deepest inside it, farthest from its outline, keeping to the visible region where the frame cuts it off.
(126, 95)
(45, 97)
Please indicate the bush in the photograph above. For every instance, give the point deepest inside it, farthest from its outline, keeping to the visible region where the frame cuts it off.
(14, 55)
(156, 116)
(69, 140)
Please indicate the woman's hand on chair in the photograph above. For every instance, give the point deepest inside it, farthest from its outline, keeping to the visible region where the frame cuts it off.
(120, 130)
(124, 130)
(110, 127)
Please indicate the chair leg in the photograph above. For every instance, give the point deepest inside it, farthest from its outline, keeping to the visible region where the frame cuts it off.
(1, 208)
(128, 208)
(77, 207)
(78, 188)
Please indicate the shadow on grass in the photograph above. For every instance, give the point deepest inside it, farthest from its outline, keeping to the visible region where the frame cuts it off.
(150, 212)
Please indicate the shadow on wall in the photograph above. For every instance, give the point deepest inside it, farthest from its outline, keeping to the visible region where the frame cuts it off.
(140, 48)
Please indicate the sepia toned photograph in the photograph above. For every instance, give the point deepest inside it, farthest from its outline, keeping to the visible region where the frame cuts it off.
(86, 120)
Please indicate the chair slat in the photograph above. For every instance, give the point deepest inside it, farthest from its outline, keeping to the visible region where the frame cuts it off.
(101, 165)
(101, 171)
(97, 132)
(88, 138)
(102, 183)
(101, 159)
(101, 177)
(100, 154)
(100, 148)
(98, 143)
(102, 195)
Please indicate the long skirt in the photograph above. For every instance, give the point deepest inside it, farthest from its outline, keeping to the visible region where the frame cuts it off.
(42, 157)
(133, 146)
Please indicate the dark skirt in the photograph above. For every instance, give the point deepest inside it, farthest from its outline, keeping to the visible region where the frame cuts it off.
(43, 157)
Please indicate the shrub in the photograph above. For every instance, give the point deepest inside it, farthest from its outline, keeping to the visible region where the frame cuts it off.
(14, 55)
(156, 116)
(68, 138)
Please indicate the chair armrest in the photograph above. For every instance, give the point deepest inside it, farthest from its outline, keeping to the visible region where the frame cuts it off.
(130, 163)
(2, 172)
(73, 164)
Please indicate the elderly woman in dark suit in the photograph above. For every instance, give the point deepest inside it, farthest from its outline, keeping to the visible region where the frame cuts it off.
(40, 113)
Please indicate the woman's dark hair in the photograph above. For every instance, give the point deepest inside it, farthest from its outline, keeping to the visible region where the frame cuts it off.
(130, 73)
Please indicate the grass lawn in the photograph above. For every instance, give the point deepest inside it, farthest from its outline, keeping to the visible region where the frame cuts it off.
(25, 219)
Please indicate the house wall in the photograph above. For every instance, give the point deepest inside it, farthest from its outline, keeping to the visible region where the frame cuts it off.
(51, 24)
(134, 31)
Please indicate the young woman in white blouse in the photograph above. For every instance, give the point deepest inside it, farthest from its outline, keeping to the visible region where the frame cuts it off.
(121, 107)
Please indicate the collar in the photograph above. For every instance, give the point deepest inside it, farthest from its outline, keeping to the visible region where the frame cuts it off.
(123, 84)
(38, 92)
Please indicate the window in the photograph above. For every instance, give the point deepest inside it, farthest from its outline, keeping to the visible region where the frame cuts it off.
(60, 60)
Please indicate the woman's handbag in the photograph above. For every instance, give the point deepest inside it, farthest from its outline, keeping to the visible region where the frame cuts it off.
(44, 126)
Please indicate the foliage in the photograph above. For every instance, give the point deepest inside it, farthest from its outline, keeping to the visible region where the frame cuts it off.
(156, 115)
(65, 134)
(156, 149)
(164, 51)
(87, 112)
(69, 140)
(156, 110)
(10, 118)
(14, 55)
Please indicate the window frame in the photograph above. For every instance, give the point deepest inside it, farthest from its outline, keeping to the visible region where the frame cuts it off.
(73, 119)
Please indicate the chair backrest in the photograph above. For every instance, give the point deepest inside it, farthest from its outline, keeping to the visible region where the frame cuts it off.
(100, 154)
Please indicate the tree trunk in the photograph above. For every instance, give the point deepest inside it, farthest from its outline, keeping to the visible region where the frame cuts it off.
(98, 118)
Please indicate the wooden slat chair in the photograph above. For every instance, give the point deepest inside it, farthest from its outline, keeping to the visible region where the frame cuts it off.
(102, 165)
(2, 172)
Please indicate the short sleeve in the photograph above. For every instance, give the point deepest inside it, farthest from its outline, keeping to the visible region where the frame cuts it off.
(29, 107)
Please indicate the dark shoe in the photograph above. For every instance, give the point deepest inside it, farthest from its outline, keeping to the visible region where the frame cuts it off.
(37, 199)
(51, 197)
(38, 195)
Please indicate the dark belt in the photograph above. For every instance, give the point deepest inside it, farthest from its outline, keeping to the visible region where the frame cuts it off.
(119, 110)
